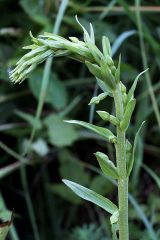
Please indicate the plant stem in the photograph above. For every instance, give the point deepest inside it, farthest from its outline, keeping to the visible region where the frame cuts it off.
(121, 165)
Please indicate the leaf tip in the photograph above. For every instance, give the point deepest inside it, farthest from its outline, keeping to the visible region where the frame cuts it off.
(65, 181)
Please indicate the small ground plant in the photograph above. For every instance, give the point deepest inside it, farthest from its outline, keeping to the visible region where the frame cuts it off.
(101, 65)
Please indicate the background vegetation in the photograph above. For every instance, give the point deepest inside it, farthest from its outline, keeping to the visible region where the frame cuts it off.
(33, 112)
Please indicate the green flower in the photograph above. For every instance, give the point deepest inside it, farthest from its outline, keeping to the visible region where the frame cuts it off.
(99, 63)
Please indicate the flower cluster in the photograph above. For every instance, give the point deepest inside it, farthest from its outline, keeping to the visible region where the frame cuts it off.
(99, 63)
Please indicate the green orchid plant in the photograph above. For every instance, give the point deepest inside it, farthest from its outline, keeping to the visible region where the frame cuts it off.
(101, 65)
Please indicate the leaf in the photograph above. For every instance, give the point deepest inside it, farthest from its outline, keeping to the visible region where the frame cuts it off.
(106, 46)
(131, 162)
(5, 215)
(94, 69)
(56, 94)
(107, 76)
(94, 51)
(86, 35)
(114, 217)
(103, 86)
(97, 99)
(133, 87)
(4, 229)
(107, 134)
(108, 117)
(92, 34)
(107, 166)
(60, 134)
(91, 196)
(127, 115)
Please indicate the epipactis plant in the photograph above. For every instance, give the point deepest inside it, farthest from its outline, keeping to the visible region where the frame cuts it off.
(101, 65)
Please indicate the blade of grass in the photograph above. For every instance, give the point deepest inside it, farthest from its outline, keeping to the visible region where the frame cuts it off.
(5, 171)
(145, 64)
(120, 39)
(127, 9)
(44, 86)
(107, 9)
(144, 103)
(13, 153)
(156, 87)
(120, 9)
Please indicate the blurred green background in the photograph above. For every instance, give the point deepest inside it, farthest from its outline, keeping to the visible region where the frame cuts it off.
(33, 113)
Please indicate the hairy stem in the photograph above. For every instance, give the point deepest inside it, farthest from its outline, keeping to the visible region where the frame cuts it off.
(121, 165)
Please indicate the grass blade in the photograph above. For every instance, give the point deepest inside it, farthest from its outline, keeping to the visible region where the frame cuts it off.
(145, 64)
(121, 38)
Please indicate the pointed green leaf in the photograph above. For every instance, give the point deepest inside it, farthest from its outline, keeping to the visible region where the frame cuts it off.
(131, 162)
(78, 50)
(108, 117)
(107, 76)
(92, 33)
(94, 51)
(109, 61)
(94, 69)
(107, 166)
(123, 88)
(97, 99)
(74, 39)
(86, 35)
(91, 196)
(103, 86)
(127, 115)
(107, 134)
(106, 46)
(133, 87)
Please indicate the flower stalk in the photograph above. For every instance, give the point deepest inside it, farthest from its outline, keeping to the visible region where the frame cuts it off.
(101, 65)
(122, 168)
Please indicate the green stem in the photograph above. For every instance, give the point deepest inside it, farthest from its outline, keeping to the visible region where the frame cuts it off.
(121, 165)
